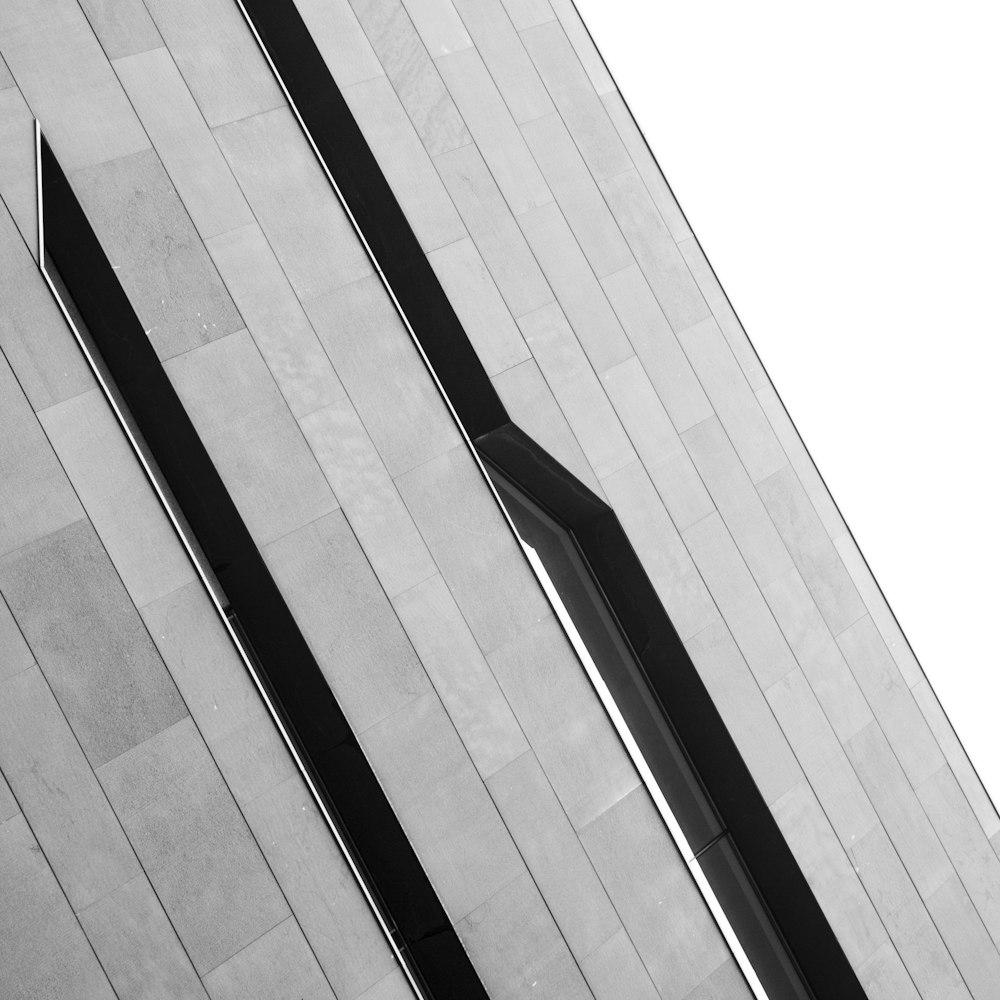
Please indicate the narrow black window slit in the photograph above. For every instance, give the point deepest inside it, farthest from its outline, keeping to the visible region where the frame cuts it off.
(246, 595)
(782, 928)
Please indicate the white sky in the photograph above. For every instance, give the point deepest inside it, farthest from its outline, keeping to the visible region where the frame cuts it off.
(840, 164)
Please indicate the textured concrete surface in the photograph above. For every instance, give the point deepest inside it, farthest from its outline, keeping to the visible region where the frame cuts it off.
(195, 861)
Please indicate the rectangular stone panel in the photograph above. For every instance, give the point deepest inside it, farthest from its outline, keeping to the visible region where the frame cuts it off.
(218, 57)
(383, 375)
(137, 946)
(14, 653)
(970, 945)
(194, 845)
(89, 641)
(183, 141)
(493, 228)
(251, 437)
(341, 41)
(294, 203)
(615, 969)
(117, 496)
(45, 952)
(123, 27)
(59, 794)
(17, 173)
(443, 806)
(347, 620)
(156, 253)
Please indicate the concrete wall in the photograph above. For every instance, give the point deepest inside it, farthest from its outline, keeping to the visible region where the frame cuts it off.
(154, 834)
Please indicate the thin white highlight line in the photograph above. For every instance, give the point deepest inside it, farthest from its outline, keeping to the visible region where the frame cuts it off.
(541, 575)
(203, 575)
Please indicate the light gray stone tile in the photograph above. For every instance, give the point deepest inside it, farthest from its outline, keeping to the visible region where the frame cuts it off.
(45, 952)
(810, 547)
(739, 600)
(8, 805)
(252, 438)
(17, 168)
(275, 319)
(803, 721)
(957, 758)
(723, 312)
(117, 496)
(899, 810)
(6, 80)
(578, 196)
(583, 45)
(891, 700)
(279, 963)
(347, 620)
(58, 793)
(801, 461)
(576, 100)
(137, 947)
(656, 346)
(725, 982)
(405, 163)
(649, 170)
(218, 691)
(194, 845)
(14, 653)
(744, 710)
(64, 76)
(474, 548)
(439, 25)
(517, 949)
(443, 806)
(884, 976)
(123, 27)
(844, 800)
(564, 721)
(509, 65)
(579, 293)
(738, 502)
(218, 57)
(183, 141)
(341, 41)
(882, 873)
(528, 13)
(460, 674)
(89, 641)
(655, 251)
(554, 855)
(879, 609)
(924, 954)
(818, 654)
(490, 223)
(35, 495)
(156, 252)
(494, 130)
(655, 895)
(36, 339)
(966, 937)
(294, 203)
(731, 396)
(476, 300)
(319, 887)
(661, 551)
(368, 497)
(383, 375)
(829, 873)
(615, 969)
(658, 444)
(968, 847)
(392, 987)
(413, 74)
(531, 405)
(577, 389)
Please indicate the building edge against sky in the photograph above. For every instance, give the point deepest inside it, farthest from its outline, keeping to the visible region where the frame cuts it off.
(153, 823)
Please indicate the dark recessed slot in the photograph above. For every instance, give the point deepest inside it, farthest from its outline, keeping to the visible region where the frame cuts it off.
(318, 729)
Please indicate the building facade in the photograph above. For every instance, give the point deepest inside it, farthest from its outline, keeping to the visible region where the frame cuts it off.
(412, 584)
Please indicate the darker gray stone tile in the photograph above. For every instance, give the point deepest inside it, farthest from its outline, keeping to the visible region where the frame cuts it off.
(157, 253)
(89, 641)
